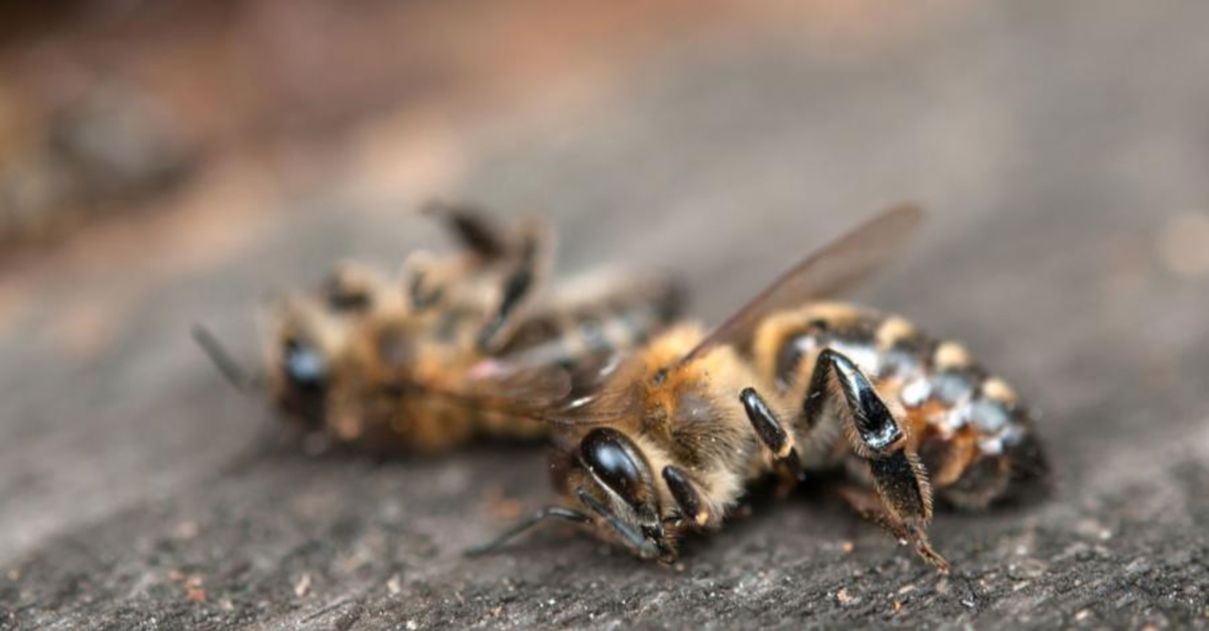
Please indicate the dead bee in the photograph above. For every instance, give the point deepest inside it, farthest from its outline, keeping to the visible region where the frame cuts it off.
(381, 363)
(678, 432)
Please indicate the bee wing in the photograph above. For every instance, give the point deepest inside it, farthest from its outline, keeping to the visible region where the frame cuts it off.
(536, 386)
(550, 393)
(842, 262)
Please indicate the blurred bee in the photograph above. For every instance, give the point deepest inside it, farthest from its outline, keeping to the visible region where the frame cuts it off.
(380, 363)
(676, 435)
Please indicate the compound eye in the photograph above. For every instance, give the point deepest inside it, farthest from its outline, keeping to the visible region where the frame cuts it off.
(305, 367)
(616, 462)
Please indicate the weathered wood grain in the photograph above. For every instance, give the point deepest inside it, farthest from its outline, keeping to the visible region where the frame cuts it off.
(1063, 150)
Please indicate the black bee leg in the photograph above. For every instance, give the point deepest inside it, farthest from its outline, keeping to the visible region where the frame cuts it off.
(424, 280)
(519, 286)
(840, 388)
(557, 512)
(350, 288)
(475, 232)
(687, 497)
(870, 506)
(774, 436)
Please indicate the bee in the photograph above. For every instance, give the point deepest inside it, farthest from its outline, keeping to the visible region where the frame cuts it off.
(381, 363)
(789, 387)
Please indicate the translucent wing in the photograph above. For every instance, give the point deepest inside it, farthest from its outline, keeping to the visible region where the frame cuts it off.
(551, 393)
(537, 386)
(844, 261)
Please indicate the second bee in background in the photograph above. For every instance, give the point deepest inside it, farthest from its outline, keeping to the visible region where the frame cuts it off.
(384, 364)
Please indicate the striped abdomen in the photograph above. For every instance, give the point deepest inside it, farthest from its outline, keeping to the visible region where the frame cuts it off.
(974, 436)
(595, 322)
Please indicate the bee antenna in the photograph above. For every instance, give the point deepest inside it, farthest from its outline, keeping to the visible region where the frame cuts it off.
(227, 366)
(645, 548)
(524, 525)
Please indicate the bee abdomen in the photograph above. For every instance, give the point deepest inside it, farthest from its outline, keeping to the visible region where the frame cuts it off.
(612, 321)
(975, 437)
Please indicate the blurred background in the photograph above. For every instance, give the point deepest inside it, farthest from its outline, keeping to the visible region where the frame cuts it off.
(163, 163)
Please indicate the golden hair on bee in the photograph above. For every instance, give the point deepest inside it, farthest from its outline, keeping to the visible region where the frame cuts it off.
(671, 441)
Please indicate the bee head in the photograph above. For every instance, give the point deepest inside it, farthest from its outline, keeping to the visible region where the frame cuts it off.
(299, 360)
(305, 374)
(613, 481)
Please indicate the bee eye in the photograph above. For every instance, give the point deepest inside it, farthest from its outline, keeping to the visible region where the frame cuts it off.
(616, 462)
(305, 367)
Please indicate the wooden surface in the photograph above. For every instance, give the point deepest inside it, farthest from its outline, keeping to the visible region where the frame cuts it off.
(1063, 153)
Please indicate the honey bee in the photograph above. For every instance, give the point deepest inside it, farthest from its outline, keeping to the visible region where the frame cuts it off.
(783, 389)
(381, 363)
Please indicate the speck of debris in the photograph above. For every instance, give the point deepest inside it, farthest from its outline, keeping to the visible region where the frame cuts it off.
(393, 585)
(193, 589)
(847, 547)
(1137, 566)
(1083, 614)
(303, 585)
(906, 589)
(1027, 569)
(968, 599)
(14, 575)
(412, 624)
(196, 594)
(844, 598)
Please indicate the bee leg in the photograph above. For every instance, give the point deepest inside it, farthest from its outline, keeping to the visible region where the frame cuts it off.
(878, 438)
(869, 505)
(351, 288)
(424, 279)
(519, 285)
(475, 232)
(556, 512)
(687, 497)
(629, 535)
(779, 442)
